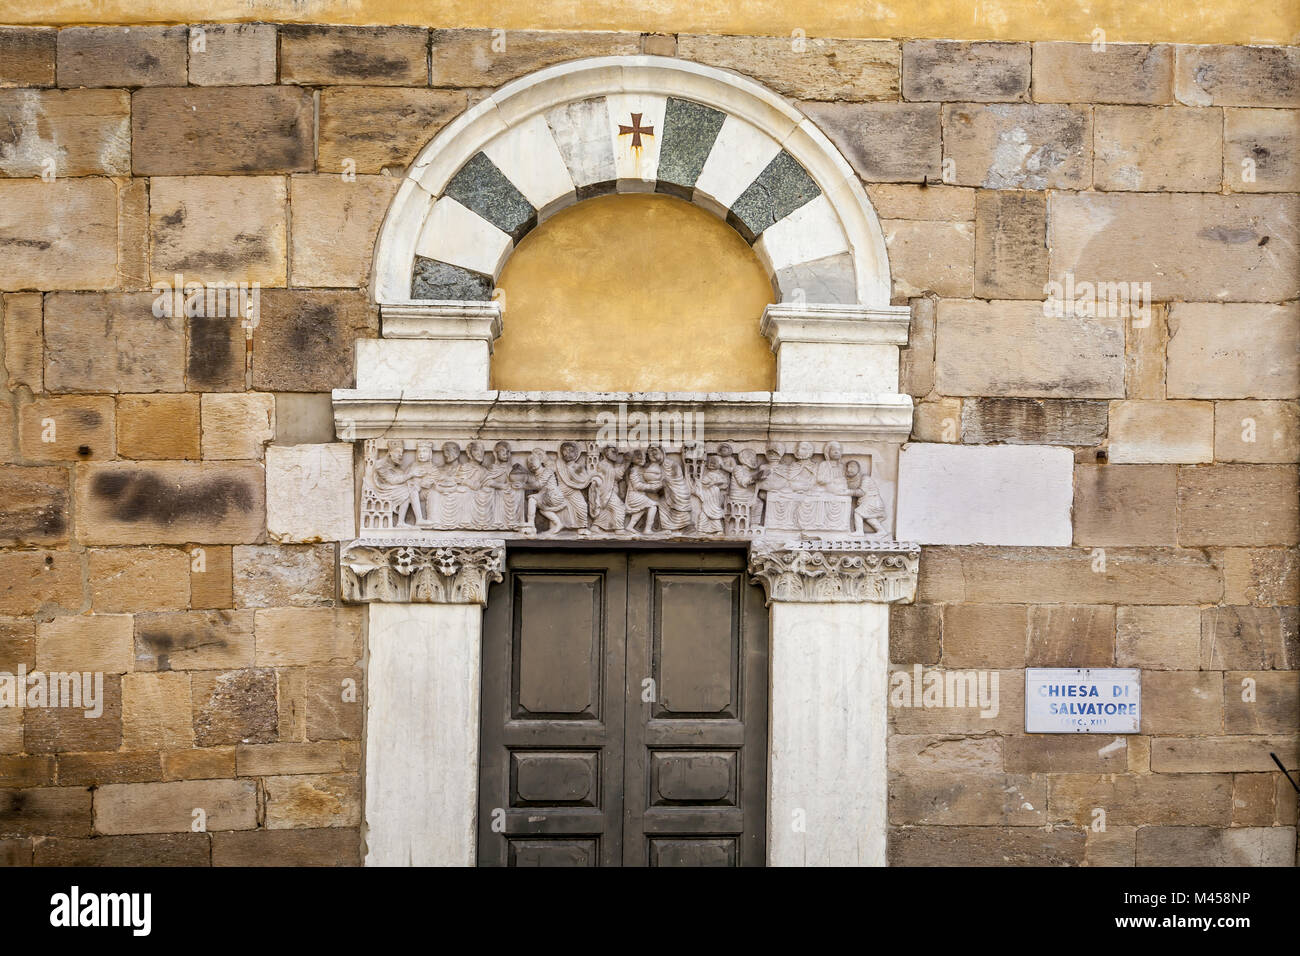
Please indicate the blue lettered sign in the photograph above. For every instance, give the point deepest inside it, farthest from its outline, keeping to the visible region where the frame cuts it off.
(1061, 700)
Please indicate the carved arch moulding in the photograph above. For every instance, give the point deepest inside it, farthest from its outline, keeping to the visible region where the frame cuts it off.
(452, 471)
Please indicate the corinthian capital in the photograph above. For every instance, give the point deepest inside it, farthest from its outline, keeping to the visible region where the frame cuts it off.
(421, 570)
(836, 571)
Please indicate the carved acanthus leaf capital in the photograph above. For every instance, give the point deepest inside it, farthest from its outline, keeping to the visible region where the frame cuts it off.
(829, 571)
(421, 569)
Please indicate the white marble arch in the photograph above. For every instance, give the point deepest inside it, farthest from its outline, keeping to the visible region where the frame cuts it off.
(531, 128)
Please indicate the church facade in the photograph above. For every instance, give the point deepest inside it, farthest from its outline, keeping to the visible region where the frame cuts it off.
(677, 441)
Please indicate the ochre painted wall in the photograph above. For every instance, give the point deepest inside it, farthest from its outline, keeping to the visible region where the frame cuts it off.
(634, 293)
(1184, 21)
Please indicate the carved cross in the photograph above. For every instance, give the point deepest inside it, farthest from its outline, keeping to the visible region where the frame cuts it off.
(636, 129)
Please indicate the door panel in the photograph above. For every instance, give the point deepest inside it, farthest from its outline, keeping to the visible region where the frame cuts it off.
(624, 712)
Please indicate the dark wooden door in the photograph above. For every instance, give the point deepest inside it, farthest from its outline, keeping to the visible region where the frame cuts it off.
(624, 715)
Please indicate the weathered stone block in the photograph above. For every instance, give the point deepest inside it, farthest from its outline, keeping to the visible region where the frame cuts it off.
(1165, 240)
(303, 418)
(1113, 846)
(27, 56)
(122, 56)
(956, 799)
(65, 133)
(1010, 244)
(916, 361)
(24, 340)
(1161, 432)
(1018, 146)
(387, 56)
(260, 760)
(216, 354)
(35, 770)
(1234, 351)
(374, 128)
(1249, 638)
(87, 642)
(195, 233)
(98, 769)
(111, 343)
(327, 635)
(1182, 702)
(335, 846)
(1210, 846)
(276, 575)
(152, 849)
(18, 644)
(986, 846)
(1243, 505)
(935, 257)
(45, 811)
(821, 69)
(211, 578)
(1066, 357)
(72, 428)
(1146, 800)
(170, 503)
(59, 235)
(1157, 149)
(199, 764)
(1054, 753)
(923, 753)
(1116, 73)
(309, 492)
(235, 707)
(1032, 421)
(307, 802)
(939, 421)
(933, 203)
(1237, 76)
(156, 711)
(971, 72)
(1259, 432)
(235, 54)
(68, 729)
(1264, 576)
(884, 142)
(1261, 151)
(138, 579)
(243, 130)
(158, 426)
(1158, 638)
(334, 703)
(984, 635)
(914, 633)
(1002, 713)
(479, 58)
(237, 424)
(169, 807)
(34, 580)
(193, 640)
(305, 339)
(1071, 635)
(1261, 702)
(335, 225)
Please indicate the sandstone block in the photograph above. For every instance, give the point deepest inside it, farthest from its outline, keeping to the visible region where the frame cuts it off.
(216, 353)
(36, 770)
(335, 846)
(335, 702)
(305, 339)
(1032, 421)
(1117, 73)
(933, 257)
(152, 849)
(914, 633)
(1250, 505)
(978, 799)
(194, 234)
(1210, 846)
(884, 142)
(276, 575)
(925, 753)
(170, 503)
(193, 640)
(98, 769)
(1182, 702)
(59, 235)
(1144, 355)
(27, 56)
(164, 425)
(319, 55)
(1004, 712)
(1157, 149)
(933, 203)
(45, 811)
(307, 802)
(971, 72)
(1237, 76)
(373, 127)
(138, 579)
(71, 428)
(34, 580)
(234, 54)
(1143, 801)
(1261, 702)
(156, 711)
(69, 730)
(1262, 576)
(1010, 244)
(1164, 240)
(471, 57)
(1158, 638)
(939, 421)
(237, 424)
(1066, 357)
(122, 56)
(1018, 146)
(984, 635)
(65, 133)
(87, 642)
(260, 760)
(1162, 432)
(24, 340)
(199, 764)
(1234, 351)
(211, 577)
(336, 222)
(1258, 432)
(986, 846)
(1249, 638)
(235, 707)
(1261, 150)
(822, 69)
(310, 493)
(1071, 635)
(327, 635)
(1054, 753)
(111, 343)
(169, 807)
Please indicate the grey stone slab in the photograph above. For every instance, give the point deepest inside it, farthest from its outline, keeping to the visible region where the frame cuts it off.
(690, 130)
(827, 280)
(781, 188)
(432, 279)
(1033, 421)
(482, 188)
(581, 132)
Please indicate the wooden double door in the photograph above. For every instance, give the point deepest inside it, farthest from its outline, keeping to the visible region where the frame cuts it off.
(624, 711)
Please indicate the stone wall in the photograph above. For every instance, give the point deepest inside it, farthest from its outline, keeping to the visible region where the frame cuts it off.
(174, 493)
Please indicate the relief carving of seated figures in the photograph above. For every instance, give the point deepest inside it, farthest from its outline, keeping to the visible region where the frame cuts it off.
(807, 496)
